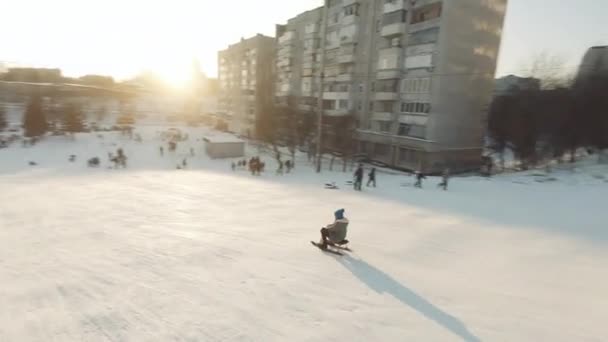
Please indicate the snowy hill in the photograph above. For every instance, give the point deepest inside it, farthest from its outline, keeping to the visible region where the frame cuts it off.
(152, 253)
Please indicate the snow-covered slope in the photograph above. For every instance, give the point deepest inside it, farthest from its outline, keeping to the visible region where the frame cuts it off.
(206, 254)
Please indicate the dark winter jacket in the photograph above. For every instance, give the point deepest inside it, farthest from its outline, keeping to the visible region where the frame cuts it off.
(359, 174)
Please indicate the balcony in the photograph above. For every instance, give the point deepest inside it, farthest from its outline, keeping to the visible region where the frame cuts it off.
(345, 59)
(336, 112)
(286, 50)
(425, 25)
(344, 77)
(386, 96)
(388, 74)
(382, 116)
(306, 107)
(393, 30)
(307, 92)
(420, 120)
(285, 63)
(350, 19)
(348, 2)
(287, 37)
(347, 54)
(347, 39)
(336, 95)
(307, 72)
(396, 5)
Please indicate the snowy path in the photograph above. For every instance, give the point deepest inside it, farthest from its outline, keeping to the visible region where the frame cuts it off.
(200, 255)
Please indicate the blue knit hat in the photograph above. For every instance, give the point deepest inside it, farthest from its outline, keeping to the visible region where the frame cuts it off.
(339, 214)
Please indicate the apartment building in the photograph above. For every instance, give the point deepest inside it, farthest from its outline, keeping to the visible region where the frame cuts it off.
(245, 76)
(415, 75)
(594, 63)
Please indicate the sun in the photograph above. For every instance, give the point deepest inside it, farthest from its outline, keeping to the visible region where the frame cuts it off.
(177, 75)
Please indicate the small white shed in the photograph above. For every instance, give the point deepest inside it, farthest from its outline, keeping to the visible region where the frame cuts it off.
(224, 146)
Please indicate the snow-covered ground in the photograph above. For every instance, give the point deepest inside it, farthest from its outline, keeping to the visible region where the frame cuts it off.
(152, 253)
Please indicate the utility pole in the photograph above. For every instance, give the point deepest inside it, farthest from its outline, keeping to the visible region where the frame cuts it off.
(321, 77)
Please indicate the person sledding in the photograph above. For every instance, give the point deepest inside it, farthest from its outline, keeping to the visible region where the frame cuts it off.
(334, 234)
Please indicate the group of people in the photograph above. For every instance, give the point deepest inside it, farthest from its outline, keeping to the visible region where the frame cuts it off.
(358, 177)
(255, 165)
(371, 178)
(445, 177)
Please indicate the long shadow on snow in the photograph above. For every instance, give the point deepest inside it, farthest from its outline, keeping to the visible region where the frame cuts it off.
(381, 282)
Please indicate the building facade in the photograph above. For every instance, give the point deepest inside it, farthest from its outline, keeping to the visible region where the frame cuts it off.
(594, 63)
(416, 76)
(245, 76)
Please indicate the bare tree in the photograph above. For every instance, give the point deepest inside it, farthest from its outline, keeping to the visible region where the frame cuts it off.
(550, 69)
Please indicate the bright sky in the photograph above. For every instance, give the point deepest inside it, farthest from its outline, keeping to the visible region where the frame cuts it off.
(124, 37)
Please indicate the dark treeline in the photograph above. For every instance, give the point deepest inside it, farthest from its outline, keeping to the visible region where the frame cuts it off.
(550, 124)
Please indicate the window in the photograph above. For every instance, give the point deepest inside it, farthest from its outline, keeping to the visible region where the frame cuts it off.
(385, 106)
(371, 105)
(336, 18)
(415, 131)
(351, 9)
(360, 87)
(424, 37)
(343, 87)
(343, 104)
(396, 42)
(331, 88)
(404, 129)
(394, 17)
(419, 61)
(389, 86)
(359, 106)
(409, 156)
(385, 127)
(329, 104)
(416, 85)
(388, 61)
(310, 28)
(373, 86)
(381, 149)
(415, 107)
(427, 12)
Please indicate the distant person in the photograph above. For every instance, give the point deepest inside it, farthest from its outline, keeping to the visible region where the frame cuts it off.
(419, 177)
(184, 163)
(288, 165)
(280, 169)
(372, 177)
(162, 151)
(445, 176)
(358, 177)
(234, 166)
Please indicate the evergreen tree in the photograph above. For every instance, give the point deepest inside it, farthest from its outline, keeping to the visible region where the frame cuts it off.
(73, 120)
(34, 120)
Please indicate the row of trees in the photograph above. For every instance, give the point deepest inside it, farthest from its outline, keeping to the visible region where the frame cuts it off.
(550, 123)
(39, 119)
(288, 125)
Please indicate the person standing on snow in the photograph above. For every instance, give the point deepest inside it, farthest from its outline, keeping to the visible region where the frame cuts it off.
(444, 179)
(334, 233)
(358, 177)
(372, 177)
(419, 177)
